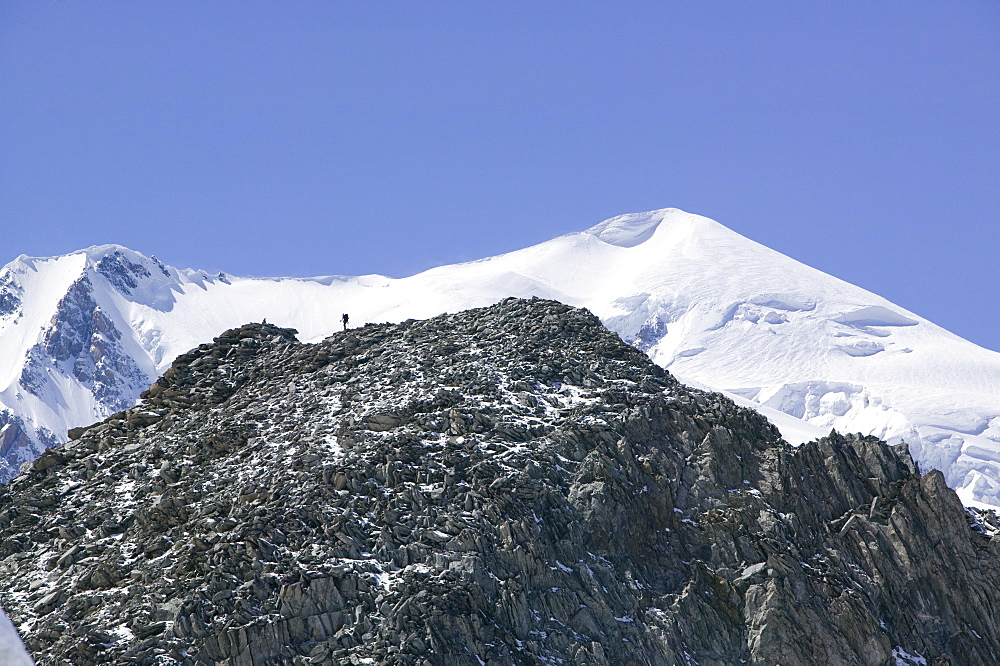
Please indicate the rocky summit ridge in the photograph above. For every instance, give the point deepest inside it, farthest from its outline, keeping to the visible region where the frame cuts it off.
(508, 485)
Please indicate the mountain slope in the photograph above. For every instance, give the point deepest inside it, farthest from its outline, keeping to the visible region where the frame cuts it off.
(718, 310)
(510, 485)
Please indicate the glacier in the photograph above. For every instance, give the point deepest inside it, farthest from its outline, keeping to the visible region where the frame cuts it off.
(81, 335)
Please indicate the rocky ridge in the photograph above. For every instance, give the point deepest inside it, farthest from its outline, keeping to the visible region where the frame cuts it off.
(509, 485)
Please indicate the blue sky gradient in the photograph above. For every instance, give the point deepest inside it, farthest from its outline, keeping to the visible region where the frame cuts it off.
(308, 138)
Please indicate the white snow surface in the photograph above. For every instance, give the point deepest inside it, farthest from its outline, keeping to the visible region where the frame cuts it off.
(12, 652)
(810, 351)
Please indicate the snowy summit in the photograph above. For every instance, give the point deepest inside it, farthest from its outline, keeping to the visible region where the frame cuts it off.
(81, 335)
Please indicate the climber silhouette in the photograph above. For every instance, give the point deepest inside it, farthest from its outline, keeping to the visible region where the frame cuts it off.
(344, 320)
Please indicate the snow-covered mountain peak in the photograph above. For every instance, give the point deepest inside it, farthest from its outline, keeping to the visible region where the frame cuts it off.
(82, 334)
(631, 229)
(95, 253)
(88, 256)
(125, 271)
(666, 227)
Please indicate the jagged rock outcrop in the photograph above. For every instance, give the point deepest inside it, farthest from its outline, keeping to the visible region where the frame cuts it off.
(510, 485)
(10, 296)
(124, 273)
(16, 444)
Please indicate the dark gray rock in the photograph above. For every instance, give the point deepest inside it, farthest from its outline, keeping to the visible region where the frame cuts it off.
(123, 273)
(10, 296)
(509, 485)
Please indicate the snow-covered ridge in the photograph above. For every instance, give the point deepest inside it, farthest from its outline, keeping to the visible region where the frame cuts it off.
(12, 652)
(82, 334)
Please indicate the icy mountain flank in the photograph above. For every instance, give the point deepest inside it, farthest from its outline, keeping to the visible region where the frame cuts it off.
(83, 334)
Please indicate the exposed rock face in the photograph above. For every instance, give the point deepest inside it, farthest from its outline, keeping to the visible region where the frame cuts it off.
(84, 339)
(10, 296)
(122, 272)
(511, 485)
(17, 446)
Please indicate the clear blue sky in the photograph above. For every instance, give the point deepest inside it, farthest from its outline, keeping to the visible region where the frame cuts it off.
(303, 138)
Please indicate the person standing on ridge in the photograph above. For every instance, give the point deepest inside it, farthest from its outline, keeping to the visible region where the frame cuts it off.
(344, 320)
